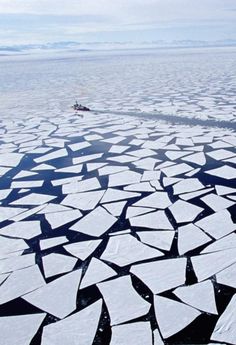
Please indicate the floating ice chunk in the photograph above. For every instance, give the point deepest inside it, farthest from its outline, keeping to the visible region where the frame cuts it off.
(79, 146)
(40, 150)
(124, 178)
(21, 282)
(136, 211)
(153, 220)
(225, 329)
(196, 158)
(114, 140)
(226, 242)
(83, 249)
(184, 211)
(219, 145)
(173, 316)
(62, 181)
(231, 160)
(50, 296)
(220, 154)
(140, 187)
(146, 163)
(4, 193)
(16, 263)
(138, 333)
(88, 158)
(121, 232)
(11, 254)
(153, 145)
(90, 225)
(26, 230)
(216, 202)
(115, 208)
(10, 159)
(187, 185)
(165, 165)
(173, 155)
(142, 153)
(23, 190)
(169, 181)
(52, 208)
(202, 139)
(3, 277)
(116, 195)
(54, 264)
(225, 172)
(94, 166)
(118, 293)
(161, 275)
(28, 213)
(51, 156)
(69, 330)
(159, 239)
(118, 149)
(58, 219)
(218, 224)
(156, 184)
(97, 271)
(171, 147)
(112, 169)
(27, 184)
(24, 173)
(150, 175)
(198, 148)
(193, 172)
(206, 265)
(177, 169)
(52, 242)
(190, 237)
(126, 249)
(34, 199)
(192, 195)
(73, 169)
(4, 170)
(227, 276)
(158, 200)
(93, 137)
(84, 201)
(200, 296)
(184, 142)
(11, 245)
(24, 326)
(81, 186)
(223, 190)
(42, 167)
(157, 338)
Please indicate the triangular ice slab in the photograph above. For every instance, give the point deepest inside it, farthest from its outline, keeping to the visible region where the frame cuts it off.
(161, 275)
(173, 316)
(97, 271)
(49, 298)
(69, 330)
(19, 329)
(200, 296)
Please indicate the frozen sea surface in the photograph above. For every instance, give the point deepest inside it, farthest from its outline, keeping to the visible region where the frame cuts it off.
(117, 229)
(195, 83)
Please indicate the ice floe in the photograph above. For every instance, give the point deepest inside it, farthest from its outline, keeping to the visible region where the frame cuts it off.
(115, 300)
(130, 251)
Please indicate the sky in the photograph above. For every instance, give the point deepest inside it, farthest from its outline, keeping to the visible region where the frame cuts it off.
(42, 21)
